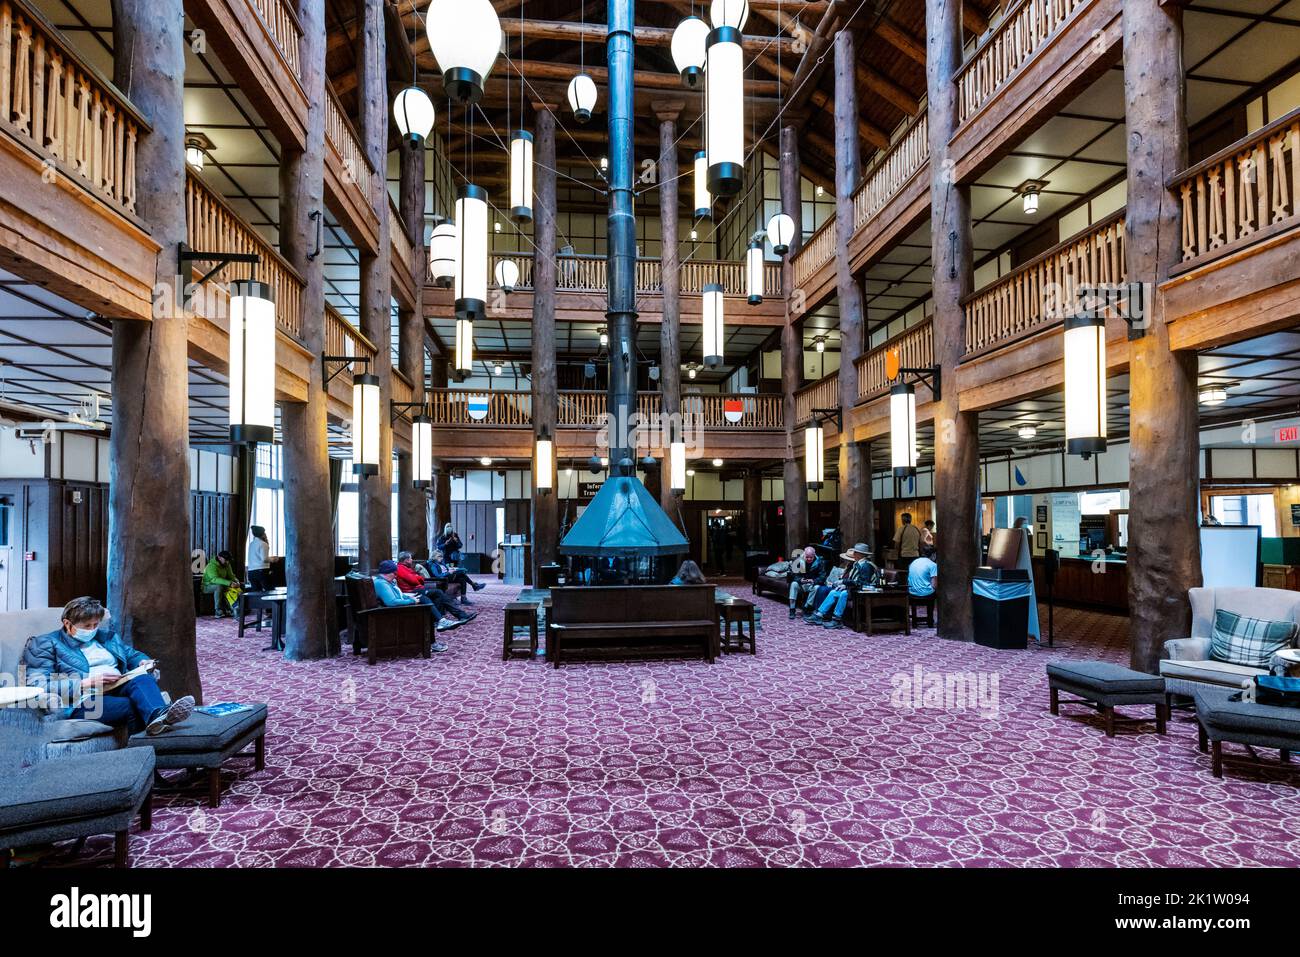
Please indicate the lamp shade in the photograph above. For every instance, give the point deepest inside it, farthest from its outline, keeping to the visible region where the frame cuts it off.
(902, 429)
(521, 176)
(724, 100)
(464, 346)
(780, 233)
(582, 97)
(194, 157)
(688, 49)
(413, 113)
(1212, 395)
(465, 39)
(252, 363)
(421, 451)
(703, 201)
(814, 456)
(1030, 202)
(472, 255)
(729, 13)
(754, 272)
(713, 324)
(507, 274)
(677, 466)
(444, 245)
(365, 424)
(1085, 384)
(544, 463)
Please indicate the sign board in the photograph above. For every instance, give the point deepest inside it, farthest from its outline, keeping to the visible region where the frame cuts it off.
(588, 489)
(1287, 433)
(1295, 515)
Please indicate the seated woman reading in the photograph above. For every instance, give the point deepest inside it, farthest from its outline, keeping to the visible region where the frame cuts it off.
(443, 573)
(79, 662)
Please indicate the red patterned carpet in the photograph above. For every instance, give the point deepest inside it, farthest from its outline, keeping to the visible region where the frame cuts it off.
(813, 753)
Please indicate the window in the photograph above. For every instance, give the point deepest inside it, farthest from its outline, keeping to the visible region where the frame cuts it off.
(1246, 510)
(268, 495)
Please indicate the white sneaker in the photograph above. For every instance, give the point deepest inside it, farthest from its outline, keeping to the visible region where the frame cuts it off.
(176, 712)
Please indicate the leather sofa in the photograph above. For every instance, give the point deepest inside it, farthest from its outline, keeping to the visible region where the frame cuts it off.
(1188, 665)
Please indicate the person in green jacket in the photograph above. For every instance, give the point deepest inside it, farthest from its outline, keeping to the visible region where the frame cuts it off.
(218, 576)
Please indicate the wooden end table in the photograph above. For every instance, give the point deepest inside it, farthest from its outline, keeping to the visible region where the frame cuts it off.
(740, 612)
(867, 603)
(520, 614)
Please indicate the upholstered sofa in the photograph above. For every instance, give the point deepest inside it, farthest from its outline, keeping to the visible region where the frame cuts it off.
(1188, 665)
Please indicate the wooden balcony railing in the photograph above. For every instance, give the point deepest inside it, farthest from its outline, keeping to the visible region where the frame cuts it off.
(1043, 290)
(1241, 194)
(816, 252)
(584, 409)
(696, 274)
(403, 390)
(1023, 30)
(284, 29)
(64, 109)
(344, 339)
(214, 227)
(822, 394)
(915, 351)
(588, 274)
(346, 142)
(887, 176)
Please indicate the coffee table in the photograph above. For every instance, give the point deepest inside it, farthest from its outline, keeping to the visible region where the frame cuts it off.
(867, 603)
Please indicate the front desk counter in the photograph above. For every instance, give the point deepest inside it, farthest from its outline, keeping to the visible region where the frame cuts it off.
(1087, 583)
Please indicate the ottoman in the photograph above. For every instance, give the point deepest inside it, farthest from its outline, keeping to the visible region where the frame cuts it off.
(1104, 686)
(1243, 722)
(206, 741)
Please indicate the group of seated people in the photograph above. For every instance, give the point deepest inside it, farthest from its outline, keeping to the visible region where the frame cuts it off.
(408, 582)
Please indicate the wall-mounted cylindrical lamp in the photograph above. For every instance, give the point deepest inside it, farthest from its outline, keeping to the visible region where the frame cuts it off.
(1085, 384)
(902, 429)
(472, 254)
(365, 424)
(754, 272)
(814, 456)
(521, 176)
(724, 96)
(252, 363)
(544, 463)
(677, 465)
(421, 451)
(713, 324)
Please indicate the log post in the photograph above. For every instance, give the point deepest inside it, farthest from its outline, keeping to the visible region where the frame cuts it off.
(545, 510)
(308, 526)
(670, 348)
(796, 482)
(375, 494)
(149, 587)
(441, 502)
(754, 509)
(413, 518)
(1164, 558)
(956, 446)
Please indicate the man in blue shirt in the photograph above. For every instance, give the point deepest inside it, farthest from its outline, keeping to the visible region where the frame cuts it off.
(923, 573)
(390, 596)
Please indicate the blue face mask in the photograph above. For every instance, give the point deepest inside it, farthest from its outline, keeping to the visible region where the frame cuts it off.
(84, 635)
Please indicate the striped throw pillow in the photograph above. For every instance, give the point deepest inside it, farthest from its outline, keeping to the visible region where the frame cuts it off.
(1239, 640)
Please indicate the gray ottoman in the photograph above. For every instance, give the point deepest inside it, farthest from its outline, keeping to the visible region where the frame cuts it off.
(1104, 686)
(74, 797)
(206, 741)
(1243, 722)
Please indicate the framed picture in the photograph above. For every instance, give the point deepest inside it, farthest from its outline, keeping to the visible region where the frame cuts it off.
(1041, 511)
(1041, 541)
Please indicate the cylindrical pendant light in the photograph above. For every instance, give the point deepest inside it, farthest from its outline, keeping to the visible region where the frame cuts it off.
(754, 272)
(521, 176)
(582, 97)
(729, 13)
(421, 451)
(902, 429)
(465, 39)
(507, 275)
(444, 245)
(472, 256)
(414, 115)
(780, 233)
(677, 465)
(688, 49)
(713, 324)
(464, 359)
(365, 424)
(724, 100)
(703, 201)
(1085, 384)
(252, 363)
(544, 463)
(814, 456)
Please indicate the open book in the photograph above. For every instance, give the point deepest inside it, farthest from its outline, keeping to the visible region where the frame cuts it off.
(131, 675)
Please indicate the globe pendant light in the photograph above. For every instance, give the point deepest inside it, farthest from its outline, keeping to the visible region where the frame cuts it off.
(365, 424)
(413, 113)
(507, 275)
(902, 429)
(814, 456)
(443, 243)
(713, 323)
(729, 13)
(421, 451)
(252, 363)
(472, 256)
(703, 201)
(465, 39)
(521, 176)
(688, 49)
(780, 232)
(544, 463)
(724, 103)
(1085, 384)
(582, 97)
(754, 272)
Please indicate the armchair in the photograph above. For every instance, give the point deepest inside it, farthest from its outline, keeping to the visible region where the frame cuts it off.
(402, 630)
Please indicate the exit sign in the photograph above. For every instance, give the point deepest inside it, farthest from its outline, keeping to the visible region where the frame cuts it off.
(1288, 433)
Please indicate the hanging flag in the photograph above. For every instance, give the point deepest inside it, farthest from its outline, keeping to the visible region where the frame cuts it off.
(733, 409)
(911, 485)
(1020, 479)
(478, 407)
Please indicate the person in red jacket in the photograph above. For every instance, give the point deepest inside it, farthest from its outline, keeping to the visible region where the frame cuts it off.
(411, 582)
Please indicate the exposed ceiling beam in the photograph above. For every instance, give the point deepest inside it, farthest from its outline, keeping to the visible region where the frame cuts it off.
(901, 40)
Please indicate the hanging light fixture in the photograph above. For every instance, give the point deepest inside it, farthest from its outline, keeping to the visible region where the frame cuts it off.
(677, 463)
(443, 244)
(196, 151)
(472, 256)
(688, 50)
(690, 373)
(498, 369)
(814, 456)
(729, 13)
(544, 462)
(780, 232)
(1213, 395)
(421, 451)
(465, 39)
(365, 424)
(717, 463)
(485, 461)
(1029, 192)
(582, 97)
(507, 275)
(464, 359)
(754, 267)
(252, 363)
(713, 324)
(724, 104)
(1027, 432)
(521, 176)
(703, 201)
(902, 429)
(819, 344)
(414, 115)
(1085, 383)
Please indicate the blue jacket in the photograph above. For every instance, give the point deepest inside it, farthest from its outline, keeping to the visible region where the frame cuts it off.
(389, 595)
(56, 664)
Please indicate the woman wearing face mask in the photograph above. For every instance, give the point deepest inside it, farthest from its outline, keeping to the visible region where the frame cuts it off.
(79, 661)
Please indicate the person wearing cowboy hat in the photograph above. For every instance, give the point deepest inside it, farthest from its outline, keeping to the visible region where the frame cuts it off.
(862, 572)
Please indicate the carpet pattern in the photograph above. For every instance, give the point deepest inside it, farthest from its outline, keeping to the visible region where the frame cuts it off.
(816, 752)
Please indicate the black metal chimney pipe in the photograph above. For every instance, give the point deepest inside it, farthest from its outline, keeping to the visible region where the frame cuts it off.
(621, 249)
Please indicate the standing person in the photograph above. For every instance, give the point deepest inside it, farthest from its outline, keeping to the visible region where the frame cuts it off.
(219, 581)
(907, 542)
(258, 560)
(927, 533)
(449, 544)
(390, 596)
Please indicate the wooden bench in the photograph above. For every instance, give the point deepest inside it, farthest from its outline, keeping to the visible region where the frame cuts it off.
(632, 622)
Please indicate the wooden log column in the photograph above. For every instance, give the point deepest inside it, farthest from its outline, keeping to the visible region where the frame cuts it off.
(375, 494)
(796, 482)
(854, 472)
(670, 347)
(546, 507)
(1164, 541)
(150, 591)
(308, 524)
(412, 511)
(754, 537)
(956, 445)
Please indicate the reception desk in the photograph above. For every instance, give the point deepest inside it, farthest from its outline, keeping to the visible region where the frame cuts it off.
(516, 566)
(1078, 583)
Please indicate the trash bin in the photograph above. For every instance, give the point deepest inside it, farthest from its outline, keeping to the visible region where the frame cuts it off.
(1001, 606)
